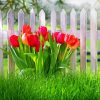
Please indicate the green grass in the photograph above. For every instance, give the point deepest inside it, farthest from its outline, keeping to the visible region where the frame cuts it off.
(69, 87)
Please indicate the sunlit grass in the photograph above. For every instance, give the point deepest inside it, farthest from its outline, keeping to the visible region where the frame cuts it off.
(58, 87)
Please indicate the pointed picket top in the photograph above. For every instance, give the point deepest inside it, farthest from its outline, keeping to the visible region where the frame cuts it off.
(73, 11)
(63, 12)
(10, 12)
(32, 11)
(42, 17)
(83, 12)
(10, 22)
(32, 20)
(73, 21)
(63, 20)
(53, 21)
(93, 13)
(93, 39)
(41, 12)
(1, 45)
(20, 20)
(21, 11)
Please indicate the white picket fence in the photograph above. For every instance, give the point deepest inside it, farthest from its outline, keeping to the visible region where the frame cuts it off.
(63, 24)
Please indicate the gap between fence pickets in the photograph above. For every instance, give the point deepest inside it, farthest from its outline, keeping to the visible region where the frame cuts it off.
(1, 45)
(10, 24)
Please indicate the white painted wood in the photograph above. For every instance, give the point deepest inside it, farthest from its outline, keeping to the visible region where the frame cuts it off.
(42, 18)
(20, 21)
(83, 30)
(10, 24)
(73, 22)
(63, 20)
(32, 20)
(1, 45)
(73, 31)
(53, 21)
(93, 38)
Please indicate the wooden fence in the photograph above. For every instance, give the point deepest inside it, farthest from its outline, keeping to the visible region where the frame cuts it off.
(63, 23)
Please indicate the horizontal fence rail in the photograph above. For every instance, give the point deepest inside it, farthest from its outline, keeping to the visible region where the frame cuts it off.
(93, 34)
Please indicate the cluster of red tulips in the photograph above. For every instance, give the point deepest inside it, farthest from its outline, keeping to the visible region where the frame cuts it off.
(41, 36)
(41, 50)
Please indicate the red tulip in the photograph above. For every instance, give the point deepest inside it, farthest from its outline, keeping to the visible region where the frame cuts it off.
(55, 35)
(26, 29)
(42, 30)
(14, 40)
(32, 40)
(37, 48)
(72, 41)
(59, 37)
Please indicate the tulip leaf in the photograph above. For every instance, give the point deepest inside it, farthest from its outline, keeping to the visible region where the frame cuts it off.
(39, 66)
(46, 60)
(5, 51)
(32, 55)
(54, 54)
(19, 62)
(61, 52)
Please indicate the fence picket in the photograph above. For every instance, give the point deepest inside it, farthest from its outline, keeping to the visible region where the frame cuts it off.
(73, 31)
(42, 17)
(32, 20)
(63, 20)
(93, 38)
(53, 21)
(20, 20)
(10, 24)
(83, 24)
(1, 45)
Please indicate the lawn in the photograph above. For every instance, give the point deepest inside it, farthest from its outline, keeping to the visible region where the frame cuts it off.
(58, 87)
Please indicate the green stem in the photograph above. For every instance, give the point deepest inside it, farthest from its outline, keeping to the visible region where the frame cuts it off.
(65, 53)
(71, 51)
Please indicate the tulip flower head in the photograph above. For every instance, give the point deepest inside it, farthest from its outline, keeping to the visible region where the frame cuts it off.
(26, 29)
(59, 37)
(42, 30)
(72, 41)
(13, 39)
